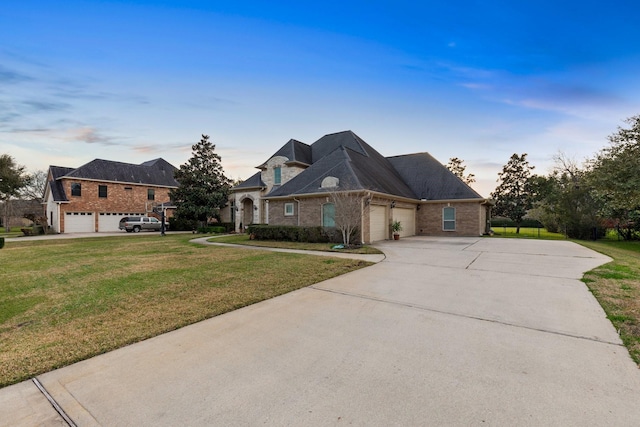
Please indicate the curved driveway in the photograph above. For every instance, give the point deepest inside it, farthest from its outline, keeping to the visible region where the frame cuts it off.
(455, 331)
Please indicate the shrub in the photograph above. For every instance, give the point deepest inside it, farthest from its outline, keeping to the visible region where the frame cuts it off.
(179, 224)
(294, 233)
(1, 242)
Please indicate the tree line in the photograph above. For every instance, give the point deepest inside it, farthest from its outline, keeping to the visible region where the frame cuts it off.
(579, 200)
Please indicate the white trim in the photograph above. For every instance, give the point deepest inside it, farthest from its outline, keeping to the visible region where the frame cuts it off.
(444, 221)
(286, 211)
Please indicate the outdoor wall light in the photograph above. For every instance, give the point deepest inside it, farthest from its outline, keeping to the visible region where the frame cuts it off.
(393, 204)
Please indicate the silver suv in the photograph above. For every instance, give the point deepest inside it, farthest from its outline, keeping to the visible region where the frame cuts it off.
(137, 223)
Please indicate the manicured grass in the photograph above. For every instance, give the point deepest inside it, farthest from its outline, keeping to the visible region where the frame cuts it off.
(535, 233)
(66, 300)
(243, 239)
(616, 286)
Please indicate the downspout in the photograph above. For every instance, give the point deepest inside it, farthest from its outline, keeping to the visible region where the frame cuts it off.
(298, 201)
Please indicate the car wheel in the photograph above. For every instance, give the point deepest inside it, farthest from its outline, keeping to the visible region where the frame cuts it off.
(136, 229)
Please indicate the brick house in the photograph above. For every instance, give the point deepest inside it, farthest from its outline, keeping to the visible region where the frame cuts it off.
(95, 196)
(294, 187)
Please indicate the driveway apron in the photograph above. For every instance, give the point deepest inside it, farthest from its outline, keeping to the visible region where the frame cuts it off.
(444, 331)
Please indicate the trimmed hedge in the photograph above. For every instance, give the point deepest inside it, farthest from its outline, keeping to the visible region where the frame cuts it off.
(294, 233)
(212, 230)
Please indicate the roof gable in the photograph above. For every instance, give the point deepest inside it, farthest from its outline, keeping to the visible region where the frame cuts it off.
(295, 151)
(255, 181)
(329, 143)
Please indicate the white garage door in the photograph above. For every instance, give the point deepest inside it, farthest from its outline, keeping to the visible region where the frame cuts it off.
(79, 222)
(407, 218)
(378, 224)
(108, 221)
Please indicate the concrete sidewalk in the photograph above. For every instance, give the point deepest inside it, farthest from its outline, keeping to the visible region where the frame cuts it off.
(442, 332)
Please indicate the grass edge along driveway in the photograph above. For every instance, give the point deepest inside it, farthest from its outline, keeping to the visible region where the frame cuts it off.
(70, 299)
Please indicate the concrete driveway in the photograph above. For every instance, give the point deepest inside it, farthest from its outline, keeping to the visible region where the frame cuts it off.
(455, 331)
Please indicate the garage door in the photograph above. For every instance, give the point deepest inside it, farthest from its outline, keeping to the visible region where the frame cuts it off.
(407, 218)
(108, 221)
(378, 224)
(79, 222)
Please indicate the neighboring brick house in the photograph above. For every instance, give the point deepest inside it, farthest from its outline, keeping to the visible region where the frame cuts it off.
(95, 196)
(294, 185)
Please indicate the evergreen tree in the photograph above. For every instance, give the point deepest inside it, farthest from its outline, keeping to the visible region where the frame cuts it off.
(514, 195)
(203, 189)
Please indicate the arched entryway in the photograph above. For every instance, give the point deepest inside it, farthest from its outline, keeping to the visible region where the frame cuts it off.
(248, 209)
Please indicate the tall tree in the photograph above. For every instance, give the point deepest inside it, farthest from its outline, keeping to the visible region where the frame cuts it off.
(458, 168)
(566, 199)
(12, 179)
(203, 189)
(514, 195)
(615, 176)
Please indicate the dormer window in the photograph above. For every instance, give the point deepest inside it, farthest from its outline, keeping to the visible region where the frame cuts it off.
(277, 175)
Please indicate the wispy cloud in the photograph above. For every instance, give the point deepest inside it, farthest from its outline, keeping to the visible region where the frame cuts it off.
(8, 76)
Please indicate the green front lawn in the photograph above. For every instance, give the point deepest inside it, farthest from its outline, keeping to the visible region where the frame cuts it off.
(526, 232)
(66, 300)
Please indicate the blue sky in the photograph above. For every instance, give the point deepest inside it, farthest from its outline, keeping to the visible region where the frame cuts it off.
(480, 80)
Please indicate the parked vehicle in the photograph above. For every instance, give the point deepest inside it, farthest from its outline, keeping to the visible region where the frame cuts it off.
(135, 224)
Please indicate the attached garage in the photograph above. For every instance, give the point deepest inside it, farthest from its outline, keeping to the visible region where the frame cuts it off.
(108, 221)
(79, 222)
(407, 218)
(378, 224)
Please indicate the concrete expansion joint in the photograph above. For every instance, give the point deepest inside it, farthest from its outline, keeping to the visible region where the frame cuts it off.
(53, 403)
(466, 316)
(474, 260)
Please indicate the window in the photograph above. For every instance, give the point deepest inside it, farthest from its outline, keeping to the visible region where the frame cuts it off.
(328, 215)
(102, 191)
(288, 209)
(151, 194)
(277, 176)
(449, 219)
(76, 189)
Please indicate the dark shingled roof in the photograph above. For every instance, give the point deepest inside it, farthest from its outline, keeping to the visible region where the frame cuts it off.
(429, 179)
(57, 190)
(356, 165)
(295, 151)
(156, 172)
(329, 143)
(254, 182)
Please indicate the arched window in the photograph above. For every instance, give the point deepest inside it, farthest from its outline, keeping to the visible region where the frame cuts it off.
(76, 189)
(328, 215)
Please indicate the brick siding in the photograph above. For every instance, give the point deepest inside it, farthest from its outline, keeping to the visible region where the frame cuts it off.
(118, 199)
(470, 219)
